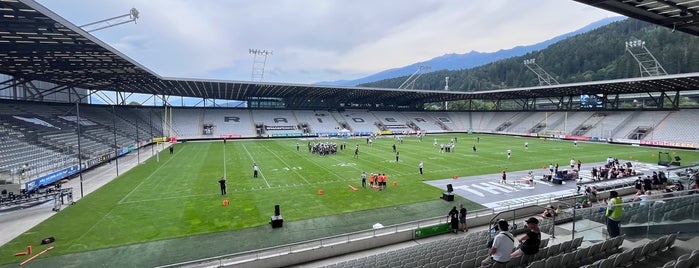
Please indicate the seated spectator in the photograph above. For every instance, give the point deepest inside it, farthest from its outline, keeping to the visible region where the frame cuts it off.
(549, 212)
(530, 242)
(678, 186)
(643, 198)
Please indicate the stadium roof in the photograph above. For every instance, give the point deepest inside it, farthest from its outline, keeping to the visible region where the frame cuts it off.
(680, 15)
(37, 44)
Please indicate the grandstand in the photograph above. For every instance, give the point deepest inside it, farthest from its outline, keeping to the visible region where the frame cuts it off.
(49, 131)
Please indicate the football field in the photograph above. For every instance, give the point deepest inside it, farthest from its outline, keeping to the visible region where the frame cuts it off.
(179, 195)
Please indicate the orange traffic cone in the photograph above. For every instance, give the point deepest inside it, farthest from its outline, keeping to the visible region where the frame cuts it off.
(225, 202)
(320, 192)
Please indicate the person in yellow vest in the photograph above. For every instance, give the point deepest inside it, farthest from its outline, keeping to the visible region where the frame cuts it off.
(614, 210)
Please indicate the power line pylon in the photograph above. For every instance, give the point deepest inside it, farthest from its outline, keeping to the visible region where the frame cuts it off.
(111, 22)
(648, 65)
(410, 82)
(545, 79)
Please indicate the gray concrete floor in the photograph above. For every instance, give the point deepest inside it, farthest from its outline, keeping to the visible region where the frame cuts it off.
(15, 223)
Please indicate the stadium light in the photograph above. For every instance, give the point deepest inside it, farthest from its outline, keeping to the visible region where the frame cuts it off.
(258, 64)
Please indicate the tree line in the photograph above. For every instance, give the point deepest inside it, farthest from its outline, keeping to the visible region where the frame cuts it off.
(593, 56)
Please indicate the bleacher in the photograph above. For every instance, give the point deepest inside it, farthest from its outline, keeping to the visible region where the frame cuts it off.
(230, 122)
(360, 120)
(318, 121)
(424, 120)
(638, 119)
(675, 127)
(277, 122)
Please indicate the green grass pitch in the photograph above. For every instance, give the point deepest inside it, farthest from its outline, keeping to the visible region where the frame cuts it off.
(179, 196)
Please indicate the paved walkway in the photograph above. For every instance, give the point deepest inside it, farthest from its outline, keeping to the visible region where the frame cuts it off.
(17, 222)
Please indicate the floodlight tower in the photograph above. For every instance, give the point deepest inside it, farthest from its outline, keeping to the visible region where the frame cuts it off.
(410, 82)
(111, 22)
(258, 63)
(545, 79)
(648, 65)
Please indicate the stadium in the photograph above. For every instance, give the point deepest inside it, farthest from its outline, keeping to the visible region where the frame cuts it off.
(141, 185)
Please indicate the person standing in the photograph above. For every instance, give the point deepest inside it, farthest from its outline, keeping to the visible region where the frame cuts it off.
(614, 210)
(454, 215)
(356, 151)
(575, 143)
(529, 243)
(222, 182)
(504, 177)
(363, 179)
(255, 170)
(297, 147)
(526, 145)
(502, 247)
(462, 218)
(474, 149)
(509, 153)
(551, 169)
(420, 167)
(397, 155)
(394, 147)
(172, 149)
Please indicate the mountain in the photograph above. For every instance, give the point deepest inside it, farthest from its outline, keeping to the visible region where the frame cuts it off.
(468, 60)
(596, 55)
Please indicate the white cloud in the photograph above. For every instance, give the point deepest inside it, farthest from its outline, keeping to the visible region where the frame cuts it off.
(317, 40)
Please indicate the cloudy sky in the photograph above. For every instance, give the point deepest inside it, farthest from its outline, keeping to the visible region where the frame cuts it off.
(318, 40)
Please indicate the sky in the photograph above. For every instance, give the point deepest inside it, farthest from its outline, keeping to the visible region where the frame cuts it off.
(314, 40)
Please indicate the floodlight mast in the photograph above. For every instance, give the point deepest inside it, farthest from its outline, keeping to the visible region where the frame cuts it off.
(258, 63)
(111, 22)
(410, 82)
(648, 65)
(545, 79)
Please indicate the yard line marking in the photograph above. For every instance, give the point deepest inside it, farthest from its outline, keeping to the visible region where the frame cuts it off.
(147, 178)
(253, 160)
(282, 160)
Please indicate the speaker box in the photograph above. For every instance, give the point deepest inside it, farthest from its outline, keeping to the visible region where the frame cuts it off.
(450, 188)
(277, 222)
(276, 210)
(448, 197)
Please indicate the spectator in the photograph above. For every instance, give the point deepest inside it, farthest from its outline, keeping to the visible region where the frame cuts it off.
(549, 212)
(454, 215)
(529, 243)
(502, 247)
(643, 197)
(462, 218)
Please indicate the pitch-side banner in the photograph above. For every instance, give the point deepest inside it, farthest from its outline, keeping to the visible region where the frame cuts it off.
(670, 143)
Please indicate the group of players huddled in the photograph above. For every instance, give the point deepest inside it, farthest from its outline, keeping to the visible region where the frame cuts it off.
(376, 181)
(323, 148)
